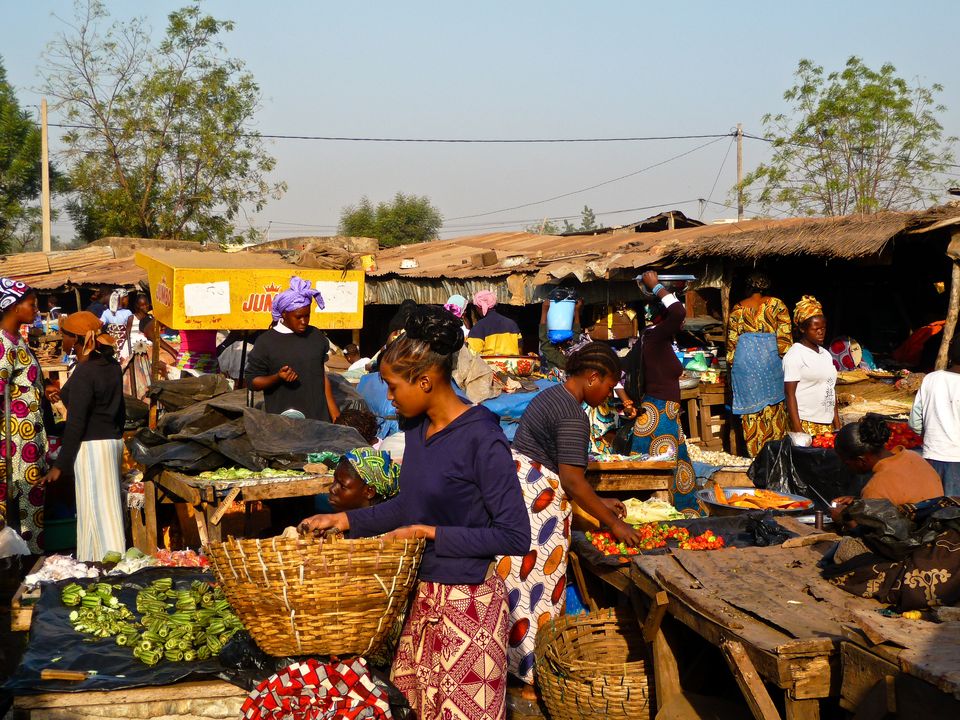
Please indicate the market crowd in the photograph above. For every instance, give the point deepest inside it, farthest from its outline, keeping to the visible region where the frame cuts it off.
(496, 515)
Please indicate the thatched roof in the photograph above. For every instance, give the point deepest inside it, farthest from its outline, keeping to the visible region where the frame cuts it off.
(845, 238)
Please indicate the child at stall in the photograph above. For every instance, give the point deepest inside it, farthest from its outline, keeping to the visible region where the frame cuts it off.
(550, 450)
(459, 491)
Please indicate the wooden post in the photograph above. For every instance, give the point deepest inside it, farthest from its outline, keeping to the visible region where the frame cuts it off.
(44, 177)
(739, 172)
(953, 309)
(751, 685)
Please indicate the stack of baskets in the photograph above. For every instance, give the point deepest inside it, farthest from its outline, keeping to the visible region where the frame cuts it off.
(592, 666)
(316, 596)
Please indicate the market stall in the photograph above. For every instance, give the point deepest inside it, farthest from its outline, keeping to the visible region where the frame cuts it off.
(766, 608)
(210, 499)
(647, 476)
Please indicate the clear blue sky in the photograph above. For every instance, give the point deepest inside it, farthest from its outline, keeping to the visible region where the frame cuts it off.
(523, 69)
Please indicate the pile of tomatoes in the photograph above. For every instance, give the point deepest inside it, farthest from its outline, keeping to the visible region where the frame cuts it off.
(704, 541)
(655, 535)
(901, 434)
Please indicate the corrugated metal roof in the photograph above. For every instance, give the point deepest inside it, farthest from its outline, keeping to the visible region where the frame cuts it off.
(123, 272)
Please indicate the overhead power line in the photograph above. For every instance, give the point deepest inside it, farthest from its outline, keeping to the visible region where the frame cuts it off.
(343, 138)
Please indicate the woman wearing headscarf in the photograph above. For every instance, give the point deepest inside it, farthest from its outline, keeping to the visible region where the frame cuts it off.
(457, 304)
(809, 377)
(117, 320)
(93, 443)
(758, 336)
(493, 334)
(287, 361)
(20, 372)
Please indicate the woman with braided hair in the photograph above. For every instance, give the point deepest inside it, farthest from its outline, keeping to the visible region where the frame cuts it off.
(550, 450)
(459, 491)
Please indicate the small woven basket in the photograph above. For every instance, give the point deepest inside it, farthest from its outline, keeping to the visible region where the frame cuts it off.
(592, 666)
(313, 596)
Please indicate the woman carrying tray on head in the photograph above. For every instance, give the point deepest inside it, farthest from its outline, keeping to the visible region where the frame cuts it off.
(459, 490)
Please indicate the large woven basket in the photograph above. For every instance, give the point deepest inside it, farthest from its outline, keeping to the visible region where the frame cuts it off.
(313, 596)
(592, 666)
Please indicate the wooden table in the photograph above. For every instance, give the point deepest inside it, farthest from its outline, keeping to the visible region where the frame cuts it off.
(211, 500)
(205, 700)
(21, 606)
(632, 476)
(768, 609)
(893, 665)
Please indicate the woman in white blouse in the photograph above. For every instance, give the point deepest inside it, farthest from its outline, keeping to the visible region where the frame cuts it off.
(809, 377)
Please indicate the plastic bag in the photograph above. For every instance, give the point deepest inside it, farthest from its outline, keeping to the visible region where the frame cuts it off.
(12, 544)
(564, 292)
(889, 532)
(814, 473)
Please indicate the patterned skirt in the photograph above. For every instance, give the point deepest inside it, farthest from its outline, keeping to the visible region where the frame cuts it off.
(657, 431)
(761, 427)
(198, 363)
(812, 428)
(451, 662)
(536, 582)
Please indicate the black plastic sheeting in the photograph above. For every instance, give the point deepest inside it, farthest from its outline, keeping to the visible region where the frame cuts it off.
(815, 473)
(890, 533)
(178, 394)
(241, 662)
(52, 636)
(736, 531)
(224, 432)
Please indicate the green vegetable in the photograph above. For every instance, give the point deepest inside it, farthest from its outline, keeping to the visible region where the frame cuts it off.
(112, 557)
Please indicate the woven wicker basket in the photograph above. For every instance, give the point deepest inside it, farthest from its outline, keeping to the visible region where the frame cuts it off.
(312, 596)
(591, 666)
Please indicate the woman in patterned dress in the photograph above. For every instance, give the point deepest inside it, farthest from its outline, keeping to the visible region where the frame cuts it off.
(20, 371)
(758, 336)
(550, 451)
(657, 431)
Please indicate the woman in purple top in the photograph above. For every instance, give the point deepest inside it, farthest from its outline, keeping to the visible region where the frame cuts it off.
(459, 490)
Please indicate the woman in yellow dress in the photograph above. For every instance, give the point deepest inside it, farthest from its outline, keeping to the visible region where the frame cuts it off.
(758, 336)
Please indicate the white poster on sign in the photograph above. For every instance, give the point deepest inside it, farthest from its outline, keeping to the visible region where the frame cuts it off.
(206, 299)
(339, 297)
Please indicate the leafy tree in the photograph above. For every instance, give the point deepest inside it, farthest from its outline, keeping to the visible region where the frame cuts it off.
(854, 141)
(19, 171)
(547, 227)
(588, 221)
(162, 145)
(408, 219)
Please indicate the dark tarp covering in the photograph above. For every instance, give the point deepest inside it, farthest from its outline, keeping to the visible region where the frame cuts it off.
(223, 431)
(178, 394)
(815, 473)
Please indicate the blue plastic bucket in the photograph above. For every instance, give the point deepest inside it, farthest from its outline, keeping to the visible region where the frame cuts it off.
(560, 320)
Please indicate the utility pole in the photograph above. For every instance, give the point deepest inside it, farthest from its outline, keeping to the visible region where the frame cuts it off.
(739, 172)
(44, 177)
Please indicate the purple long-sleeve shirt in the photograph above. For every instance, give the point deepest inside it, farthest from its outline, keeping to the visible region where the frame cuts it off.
(463, 481)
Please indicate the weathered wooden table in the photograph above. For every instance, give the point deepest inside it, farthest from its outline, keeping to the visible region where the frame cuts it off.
(204, 700)
(905, 668)
(632, 476)
(767, 609)
(210, 500)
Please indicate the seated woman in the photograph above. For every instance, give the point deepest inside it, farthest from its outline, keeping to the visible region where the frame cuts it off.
(899, 475)
(363, 477)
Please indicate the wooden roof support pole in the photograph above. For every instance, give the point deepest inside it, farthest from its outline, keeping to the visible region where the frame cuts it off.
(953, 309)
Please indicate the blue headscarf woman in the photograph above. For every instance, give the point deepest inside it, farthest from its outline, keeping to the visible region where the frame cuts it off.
(287, 361)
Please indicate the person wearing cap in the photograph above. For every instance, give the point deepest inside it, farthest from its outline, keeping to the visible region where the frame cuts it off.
(809, 376)
(287, 361)
(93, 438)
(492, 334)
(20, 372)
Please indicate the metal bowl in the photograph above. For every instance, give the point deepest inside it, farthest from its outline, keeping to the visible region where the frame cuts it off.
(713, 508)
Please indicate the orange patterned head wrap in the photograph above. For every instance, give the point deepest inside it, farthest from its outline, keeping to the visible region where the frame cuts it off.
(807, 308)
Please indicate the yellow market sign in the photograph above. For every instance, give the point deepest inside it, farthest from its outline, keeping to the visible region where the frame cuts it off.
(235, 291)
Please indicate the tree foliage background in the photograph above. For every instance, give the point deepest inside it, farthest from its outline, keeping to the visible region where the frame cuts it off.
(162, 143)
(19, 171)
(407, 219)
(854, 141)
